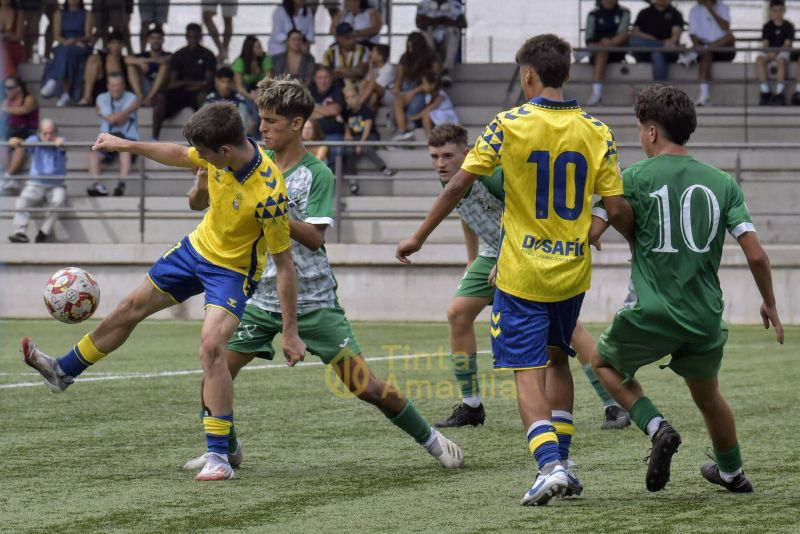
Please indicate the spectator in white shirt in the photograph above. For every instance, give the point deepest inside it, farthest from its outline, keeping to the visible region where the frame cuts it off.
(710, 27)
(375, 88)
(365, 20)
(442, 21)
(290, 15)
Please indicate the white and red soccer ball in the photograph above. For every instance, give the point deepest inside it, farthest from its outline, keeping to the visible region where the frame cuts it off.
(71, 295)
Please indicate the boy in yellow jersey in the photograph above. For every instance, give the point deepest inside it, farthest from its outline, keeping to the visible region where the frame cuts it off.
(224, 256)
(554, 157)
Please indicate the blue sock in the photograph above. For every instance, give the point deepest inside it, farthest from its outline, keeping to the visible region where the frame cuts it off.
(562, 421)
(543, 443)
(218, 430)
(72, 363)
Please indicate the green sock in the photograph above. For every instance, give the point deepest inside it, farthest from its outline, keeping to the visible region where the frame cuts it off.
(465, 370)
(413, 423)
(643, 411)
(598, 387)
(729, 461)
(205, 412)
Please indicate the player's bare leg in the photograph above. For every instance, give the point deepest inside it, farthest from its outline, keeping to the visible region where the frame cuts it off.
(461, 315)
(647, 417)
(535, 412)
(726, 467)
(585, 345)
(107, 336)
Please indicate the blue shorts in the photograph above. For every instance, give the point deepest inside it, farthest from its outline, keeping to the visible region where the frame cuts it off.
(523, 329)
(182, 273)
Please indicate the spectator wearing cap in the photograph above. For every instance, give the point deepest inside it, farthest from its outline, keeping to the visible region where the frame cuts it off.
(709, 28)
(347, 58)
(290, 15)
(148, 71)
(45, 161)
(441, 21)
(365, 20)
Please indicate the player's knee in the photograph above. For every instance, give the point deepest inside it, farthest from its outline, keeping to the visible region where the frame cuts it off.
(457, 316)
(212, 348)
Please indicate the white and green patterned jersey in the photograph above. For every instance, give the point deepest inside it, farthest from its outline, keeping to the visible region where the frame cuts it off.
(482, 210)
(309, 186)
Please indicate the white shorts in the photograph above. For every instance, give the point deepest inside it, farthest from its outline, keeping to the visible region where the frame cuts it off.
(229, 7)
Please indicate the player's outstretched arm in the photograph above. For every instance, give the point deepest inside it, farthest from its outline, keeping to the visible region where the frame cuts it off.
(447, 201)
(164, 153)
(758, 261)
(294, 349)
(198, 196)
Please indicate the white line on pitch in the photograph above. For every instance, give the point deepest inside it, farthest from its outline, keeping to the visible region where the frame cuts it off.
(135, 374)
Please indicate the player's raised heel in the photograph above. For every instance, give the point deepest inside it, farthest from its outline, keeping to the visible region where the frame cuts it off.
(739, 484)
(574, 485)
(545, 487)
(615, 417)
(216, 468)
(665, 444)
(54, 378)
(235, 459)
(463, 415)
(445, 451)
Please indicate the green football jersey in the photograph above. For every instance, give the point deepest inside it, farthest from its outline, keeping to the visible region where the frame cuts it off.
(682, 208)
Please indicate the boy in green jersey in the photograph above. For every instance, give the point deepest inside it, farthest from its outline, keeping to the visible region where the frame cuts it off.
(682, 208)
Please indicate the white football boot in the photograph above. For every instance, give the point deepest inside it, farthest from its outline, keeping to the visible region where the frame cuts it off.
(54, 378)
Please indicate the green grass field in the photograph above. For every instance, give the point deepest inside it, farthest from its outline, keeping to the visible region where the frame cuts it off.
(105, 456)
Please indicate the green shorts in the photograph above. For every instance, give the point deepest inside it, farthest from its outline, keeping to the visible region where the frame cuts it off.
(475, 282)
(326, 333)
(637, 338)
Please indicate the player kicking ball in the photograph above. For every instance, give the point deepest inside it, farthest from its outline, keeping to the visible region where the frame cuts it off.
(224, 256)
(554, 157)
(683, 207)
(284, 105)
(480, 212)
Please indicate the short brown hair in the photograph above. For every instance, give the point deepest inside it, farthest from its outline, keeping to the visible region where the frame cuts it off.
(549, 55)
(670, 108)
(285, 96)
(448, 133)
(215, 125)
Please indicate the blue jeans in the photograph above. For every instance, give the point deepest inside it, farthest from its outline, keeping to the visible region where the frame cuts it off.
(335, 150)
(660, 60)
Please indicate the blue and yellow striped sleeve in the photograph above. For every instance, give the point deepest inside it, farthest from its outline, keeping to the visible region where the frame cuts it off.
(273, 211)
(485, 155)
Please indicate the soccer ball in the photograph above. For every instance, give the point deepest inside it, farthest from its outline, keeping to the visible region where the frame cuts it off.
(71, 295)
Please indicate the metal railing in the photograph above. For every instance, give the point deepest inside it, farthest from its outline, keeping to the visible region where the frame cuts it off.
(143, 175)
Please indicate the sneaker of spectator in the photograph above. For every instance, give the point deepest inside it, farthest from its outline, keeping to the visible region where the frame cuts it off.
(709, 28)
(74, 38)
(606, 25)
(442, 21)
(375, 88)
(364, 19)
(148, 71)
(229, 9)
(46, 161)
(777, 33)
(118, 108)
(152, 16)
(347, 58)
(21, 111)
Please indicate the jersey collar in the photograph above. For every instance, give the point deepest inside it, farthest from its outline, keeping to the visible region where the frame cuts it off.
(554, 104)
(242, 174)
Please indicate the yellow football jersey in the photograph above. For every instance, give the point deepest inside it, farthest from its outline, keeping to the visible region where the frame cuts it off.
(554, 156)
(247, 215)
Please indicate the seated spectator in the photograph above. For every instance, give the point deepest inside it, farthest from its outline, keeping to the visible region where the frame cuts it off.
(777, 33)
(21, 117)
(72, 30)
(313, 132)
(152, 15)
(118, 108)
(191, 77)
(148, 72)
(31, 13)
(45, 161)
(112, 17)
(50, 8)
(229, 9)
(418, 59)
(375, 88)
(329, 105)
(438, 109)
(100, 64)
(296, 61)
(606, 25)
(657, 26)
(224, 90)
(359, 125)
(12, 30)
(441, 21)
(365, 20)
(347, 59)
(290, 15)
(710, 27)
(252, 66)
